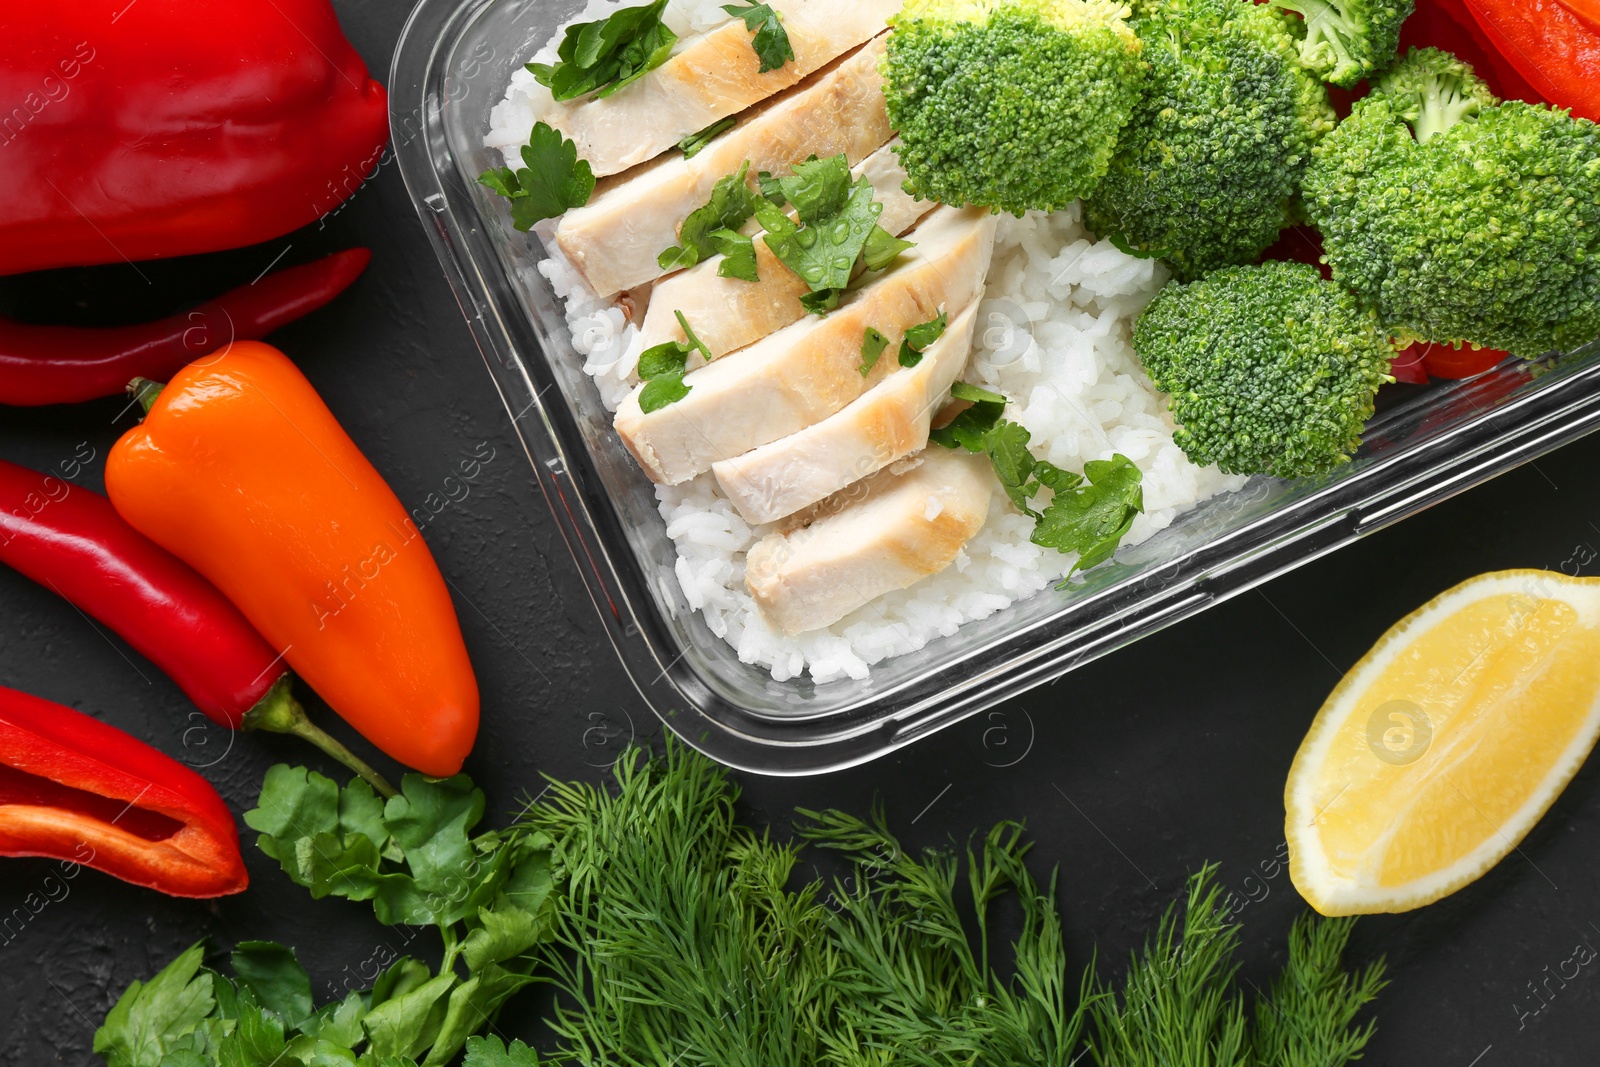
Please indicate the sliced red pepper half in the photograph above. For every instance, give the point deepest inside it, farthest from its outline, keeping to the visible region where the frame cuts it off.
(74, 788)
(1551, 45)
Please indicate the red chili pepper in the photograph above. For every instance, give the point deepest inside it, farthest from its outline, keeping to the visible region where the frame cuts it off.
(74, 788)
(144, 130)
(69, 364)
(72, 540)
(1550, 45)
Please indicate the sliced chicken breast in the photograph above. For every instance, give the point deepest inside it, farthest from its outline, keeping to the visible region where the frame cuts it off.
(891, 531)
(615, 238)
(710, 77)
(886, 423)
(810, 369)
(729, 313)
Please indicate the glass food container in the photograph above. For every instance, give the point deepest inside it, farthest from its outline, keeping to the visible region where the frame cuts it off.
(452, 65)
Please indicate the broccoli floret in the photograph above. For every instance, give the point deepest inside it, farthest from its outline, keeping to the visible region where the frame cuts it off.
(1208, 169)
(1010, 104)
(1459, 219)
(1343, 41)
(1270, 368)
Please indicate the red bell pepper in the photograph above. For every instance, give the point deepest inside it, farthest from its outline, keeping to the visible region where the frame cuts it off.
(1447, 24)
(145, 130)
(73, 788)
(1452, 363)
(1406, 366)
(1551, 45)
(68, 364)
(72, 541)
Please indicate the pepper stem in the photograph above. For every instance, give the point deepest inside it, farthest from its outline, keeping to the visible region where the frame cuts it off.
(280, 713)
(145, 392)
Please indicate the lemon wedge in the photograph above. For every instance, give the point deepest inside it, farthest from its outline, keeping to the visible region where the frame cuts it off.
(1439, 751)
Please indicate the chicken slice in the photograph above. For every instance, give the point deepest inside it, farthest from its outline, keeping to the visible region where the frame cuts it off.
(710, 77)
(729, 313)
(886, 423)
(887, 533)
(615, 238)
(809, 369)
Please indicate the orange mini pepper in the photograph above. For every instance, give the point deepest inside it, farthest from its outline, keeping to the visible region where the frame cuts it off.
(240, 470)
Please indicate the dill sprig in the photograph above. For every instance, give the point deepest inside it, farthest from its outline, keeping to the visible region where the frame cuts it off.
(1308, 1018)
(911, 983)
(1180, 1007)
(677, 940)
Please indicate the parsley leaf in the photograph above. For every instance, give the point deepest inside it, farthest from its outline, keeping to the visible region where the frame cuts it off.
(730, 207)
(823, 254)
(980, 428)
(1093, 519)
(602, 57)
(770, 188)
(661, 368)
(882, 248)
(872, 345)
(738, 255)
(691, 145)
(553, 181)
(272, 973)
(490, 1051)
(156, 1018)
(771, 41)
(919, 338)
(821, 301)
(818, 188)
(967, 429)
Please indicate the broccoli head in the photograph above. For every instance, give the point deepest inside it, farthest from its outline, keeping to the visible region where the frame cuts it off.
(1459, 219)
(1343, 41)
(1207, 171)
(1010, 104)
(1271, 369)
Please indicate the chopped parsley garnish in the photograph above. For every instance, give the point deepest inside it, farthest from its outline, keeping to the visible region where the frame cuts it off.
(771, 41)
(553, 180)
(967, 429)
(823, 252)
(1093, 519)
(730, 207)
(821, 301)
(690, 146)
(1087, 518)
(661, 368)
(738, 255)
(882, 248)
(602, 57)
(872, 345)
(818, 188)
(919, 338)
(770, 188)
(837, 228)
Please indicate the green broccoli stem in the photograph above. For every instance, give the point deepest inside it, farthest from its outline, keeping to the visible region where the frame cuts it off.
(1328, 32)
(1444, 104)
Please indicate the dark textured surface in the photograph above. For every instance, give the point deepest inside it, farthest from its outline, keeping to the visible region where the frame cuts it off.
(1130, 772)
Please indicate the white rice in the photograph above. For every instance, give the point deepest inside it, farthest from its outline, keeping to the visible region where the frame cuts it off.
(1053, 336)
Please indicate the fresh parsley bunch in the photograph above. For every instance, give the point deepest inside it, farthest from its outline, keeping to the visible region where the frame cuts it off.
(413, 858)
